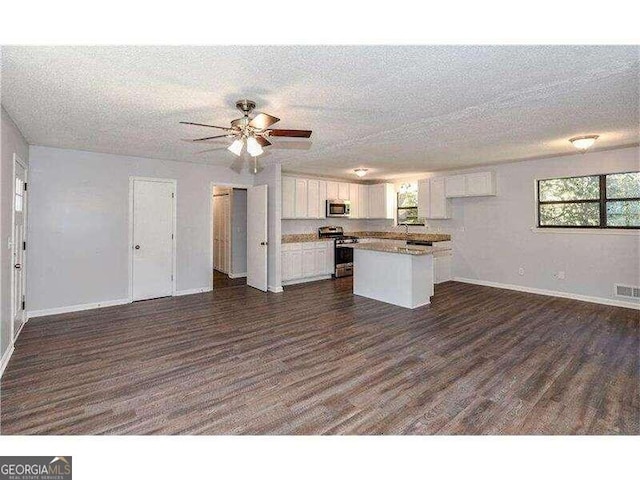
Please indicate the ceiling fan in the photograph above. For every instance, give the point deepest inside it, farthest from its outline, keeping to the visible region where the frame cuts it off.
(254, 131)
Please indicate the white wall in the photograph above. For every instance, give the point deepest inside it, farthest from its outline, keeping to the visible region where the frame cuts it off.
(493, 237)
(271, 176)
(11, 142)
(239, 231)
(78, 224)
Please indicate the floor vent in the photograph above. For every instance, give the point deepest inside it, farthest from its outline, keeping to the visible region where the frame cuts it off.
(627, 291)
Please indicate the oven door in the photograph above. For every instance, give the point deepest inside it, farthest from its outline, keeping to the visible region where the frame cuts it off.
(343, 255)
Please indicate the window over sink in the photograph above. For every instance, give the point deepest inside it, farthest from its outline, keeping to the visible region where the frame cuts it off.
(590, 201)
(407, 206)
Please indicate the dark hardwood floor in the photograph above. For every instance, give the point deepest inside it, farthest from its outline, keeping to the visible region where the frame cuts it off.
(222, 280)
(317, 360)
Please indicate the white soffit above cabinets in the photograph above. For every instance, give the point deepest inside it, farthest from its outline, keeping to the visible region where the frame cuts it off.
(396, 110)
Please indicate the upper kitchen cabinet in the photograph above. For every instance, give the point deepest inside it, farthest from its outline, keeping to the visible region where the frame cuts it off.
(478, 184)
(303, 198)
(288, 197)
(343, 191)
(302, 203)
(337, 191)
(332, 191)
(363, 201)
(382, 200)
(432, 202)
(354, 198)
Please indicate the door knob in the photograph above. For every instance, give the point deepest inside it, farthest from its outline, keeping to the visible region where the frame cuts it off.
(18, 266)
(263, 243)
(137, 247)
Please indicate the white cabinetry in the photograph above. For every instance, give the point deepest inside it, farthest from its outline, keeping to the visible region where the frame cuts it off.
(432, 202)
(332, 191)
(337, 191)
(343, 191)
(303, 198)
(382, 201)
(479, 184)
(306, 261)
(363, 201)
(288, 197)
(354, 198)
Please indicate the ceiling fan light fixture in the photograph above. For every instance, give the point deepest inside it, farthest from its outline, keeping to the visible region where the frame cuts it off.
(253, 147)
(361, 172)
(583, 143)
(236, 147)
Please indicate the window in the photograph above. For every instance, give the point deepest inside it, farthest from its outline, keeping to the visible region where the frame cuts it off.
(19, 197)
(408, 206)
(592, 201)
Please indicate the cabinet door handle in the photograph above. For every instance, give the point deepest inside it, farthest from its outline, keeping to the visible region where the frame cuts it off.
(137, 247)
(263, 243)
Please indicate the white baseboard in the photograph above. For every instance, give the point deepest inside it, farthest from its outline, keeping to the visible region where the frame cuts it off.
(238, 275)
(550, 293)
(275, 289)
(192, 291)
(76, 308)
(5, 358)
(307, 279)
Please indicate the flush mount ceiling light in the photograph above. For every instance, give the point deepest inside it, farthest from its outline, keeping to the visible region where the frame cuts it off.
(583, 143)
(361, 172)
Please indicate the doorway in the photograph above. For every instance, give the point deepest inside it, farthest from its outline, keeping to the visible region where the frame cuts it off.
(152, 244)
(229, 210)
(238, 236)
(18, 246)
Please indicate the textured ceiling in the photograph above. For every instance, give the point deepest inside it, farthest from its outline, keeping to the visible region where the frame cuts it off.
(395, 110)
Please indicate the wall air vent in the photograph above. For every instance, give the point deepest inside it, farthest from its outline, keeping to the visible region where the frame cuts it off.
(627, 291)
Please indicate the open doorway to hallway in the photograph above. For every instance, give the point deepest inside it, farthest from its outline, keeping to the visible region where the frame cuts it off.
(229, 236)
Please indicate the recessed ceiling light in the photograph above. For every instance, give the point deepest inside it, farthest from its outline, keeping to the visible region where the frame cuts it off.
(583, 143)
(361, 172)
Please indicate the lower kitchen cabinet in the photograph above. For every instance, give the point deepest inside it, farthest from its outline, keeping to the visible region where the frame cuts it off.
(307, 261)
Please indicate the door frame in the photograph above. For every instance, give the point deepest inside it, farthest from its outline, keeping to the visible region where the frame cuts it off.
(174, 182)
(212, 185)
(25, 205)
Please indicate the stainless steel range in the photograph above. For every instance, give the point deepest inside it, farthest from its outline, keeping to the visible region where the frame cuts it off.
(343, 255)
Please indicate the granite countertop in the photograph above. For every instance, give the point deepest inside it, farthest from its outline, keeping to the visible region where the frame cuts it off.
(313, 237)
(427, 237)
(393, 248)
(303, 238)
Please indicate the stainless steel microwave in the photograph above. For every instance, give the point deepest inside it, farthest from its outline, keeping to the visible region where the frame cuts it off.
(338, 208)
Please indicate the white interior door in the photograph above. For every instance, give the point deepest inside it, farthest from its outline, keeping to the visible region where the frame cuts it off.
(18, 247)
(153, 238)
(257, 237)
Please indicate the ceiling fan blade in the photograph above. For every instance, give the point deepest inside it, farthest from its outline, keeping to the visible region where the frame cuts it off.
(290, 133)
(204, 125)
(208, 138)
(262, 121)
(262, 141)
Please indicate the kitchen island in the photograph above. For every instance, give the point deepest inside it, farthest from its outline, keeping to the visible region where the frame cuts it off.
(398, 274)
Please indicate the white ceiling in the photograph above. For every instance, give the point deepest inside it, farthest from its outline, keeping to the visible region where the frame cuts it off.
(395, 110)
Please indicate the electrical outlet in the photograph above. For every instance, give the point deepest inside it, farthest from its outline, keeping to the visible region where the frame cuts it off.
(521, 271)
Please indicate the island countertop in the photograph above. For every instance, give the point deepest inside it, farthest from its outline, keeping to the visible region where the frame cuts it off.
(387, 247)
(313, 237)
